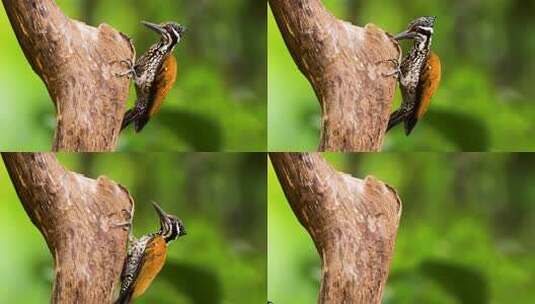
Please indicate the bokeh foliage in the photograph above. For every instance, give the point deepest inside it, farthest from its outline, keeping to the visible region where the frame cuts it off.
(484, 103)
(466, 232)
(218, 102)
(220, 197)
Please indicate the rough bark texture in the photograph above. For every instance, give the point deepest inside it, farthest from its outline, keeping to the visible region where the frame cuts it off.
(352, 222)
(76, 216)
(77, 63)
(342, 63)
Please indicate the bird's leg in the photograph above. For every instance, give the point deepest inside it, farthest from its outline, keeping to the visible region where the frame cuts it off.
(127, 225)
(397, 71)
(130, 72)
(131, 44)
(396, 61)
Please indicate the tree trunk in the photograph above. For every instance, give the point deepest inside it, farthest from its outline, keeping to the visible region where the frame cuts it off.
(77, 63)
(352, 222)
(342, 62)
(76, 216)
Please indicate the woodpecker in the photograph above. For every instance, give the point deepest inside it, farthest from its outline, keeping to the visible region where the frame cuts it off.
(154, 74)
(146, 256)
(418, 74)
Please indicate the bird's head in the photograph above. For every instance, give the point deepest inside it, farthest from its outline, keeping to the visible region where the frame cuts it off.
(420, 29)
(171, 227)
(171, 32)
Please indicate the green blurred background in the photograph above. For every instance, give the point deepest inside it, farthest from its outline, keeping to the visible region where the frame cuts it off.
(220, 197)
(218, 102)
(466, 232)
(484, 103)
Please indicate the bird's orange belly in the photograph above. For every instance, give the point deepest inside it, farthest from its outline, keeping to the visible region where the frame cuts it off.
(164, 82)
(432, 75)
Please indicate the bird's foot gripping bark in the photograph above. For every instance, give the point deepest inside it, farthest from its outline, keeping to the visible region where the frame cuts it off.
(127, 225)
(130, 72)
(396, 72)
(131, 116)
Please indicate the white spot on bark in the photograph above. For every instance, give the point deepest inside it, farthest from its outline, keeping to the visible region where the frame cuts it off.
(372, 224)
(354, 33)
(88, 32)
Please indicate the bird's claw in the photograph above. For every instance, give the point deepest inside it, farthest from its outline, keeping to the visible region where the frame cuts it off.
(127, 225)
(130, 68)
(128, 62)
(397, 71)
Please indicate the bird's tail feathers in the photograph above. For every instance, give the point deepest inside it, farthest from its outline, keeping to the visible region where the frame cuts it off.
(140, 123)
(395, 118)
(124, 298)
(410, 123)
(130, 116)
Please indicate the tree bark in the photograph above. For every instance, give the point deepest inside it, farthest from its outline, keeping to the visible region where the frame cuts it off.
(77, 63)
(342, 62)
(352, 222)
(76, 216)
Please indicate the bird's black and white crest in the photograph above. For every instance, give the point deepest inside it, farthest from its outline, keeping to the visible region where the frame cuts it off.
(423, 25)
(171, 227)
(171, 33)
(421, 31)
(174, 32)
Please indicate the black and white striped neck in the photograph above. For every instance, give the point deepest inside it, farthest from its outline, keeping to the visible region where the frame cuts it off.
(422, 41)
(172, 229)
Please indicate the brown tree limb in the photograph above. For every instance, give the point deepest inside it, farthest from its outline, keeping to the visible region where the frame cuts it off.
(77, 63)
(352, 222)
(342, 63)
(77, 217)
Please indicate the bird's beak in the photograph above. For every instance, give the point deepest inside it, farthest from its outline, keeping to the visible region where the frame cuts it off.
(160, 212)
(153, 26)
(404, 35)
